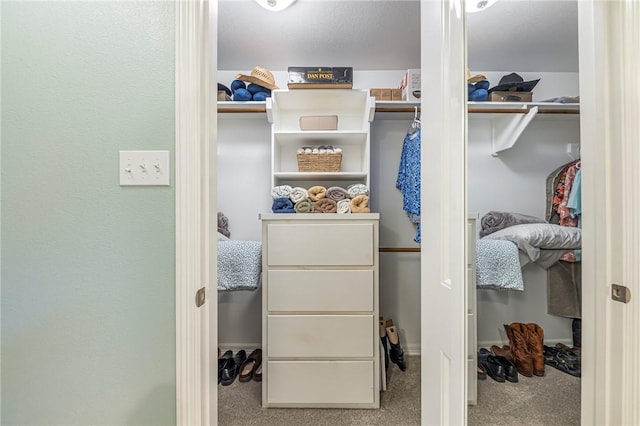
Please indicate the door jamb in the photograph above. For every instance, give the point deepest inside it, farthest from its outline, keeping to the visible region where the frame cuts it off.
(196, 200)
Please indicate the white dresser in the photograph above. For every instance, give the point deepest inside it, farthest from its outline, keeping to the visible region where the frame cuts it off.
(320, 310)
(472, 318)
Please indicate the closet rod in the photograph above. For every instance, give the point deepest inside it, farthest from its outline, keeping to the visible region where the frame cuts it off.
(399, 249)
(521, 111)
(396, 109)
(224, 110)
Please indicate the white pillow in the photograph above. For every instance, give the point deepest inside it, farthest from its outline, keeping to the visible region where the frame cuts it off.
(531, 237)
(222, 237)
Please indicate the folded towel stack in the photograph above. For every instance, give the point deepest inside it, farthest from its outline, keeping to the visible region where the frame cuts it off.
(319, 199)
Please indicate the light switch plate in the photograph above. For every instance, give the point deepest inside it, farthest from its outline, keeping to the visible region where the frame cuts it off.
(143, 168)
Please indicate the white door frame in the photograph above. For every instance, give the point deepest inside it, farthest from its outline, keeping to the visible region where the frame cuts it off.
(443, 214)
(196, 207)
(604, 399)
(610, 150)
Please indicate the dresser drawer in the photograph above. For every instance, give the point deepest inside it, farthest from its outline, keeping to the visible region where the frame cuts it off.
(314, 290)
(472, 382)
(320, 382)
(471, 244)
(471, 334)
(320, 244)
(320, 336)
(471, 290)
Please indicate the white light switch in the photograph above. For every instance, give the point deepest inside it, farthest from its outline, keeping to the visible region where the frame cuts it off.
(144, 168)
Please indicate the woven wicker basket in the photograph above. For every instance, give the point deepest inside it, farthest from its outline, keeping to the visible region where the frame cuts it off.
(319, 162)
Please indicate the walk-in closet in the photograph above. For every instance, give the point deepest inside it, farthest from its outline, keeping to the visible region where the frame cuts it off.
(512, 148)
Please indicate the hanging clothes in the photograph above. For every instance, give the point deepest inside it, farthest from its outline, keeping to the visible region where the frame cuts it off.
(408, 181)
(564, 207)
(566, 219)
(574, 204)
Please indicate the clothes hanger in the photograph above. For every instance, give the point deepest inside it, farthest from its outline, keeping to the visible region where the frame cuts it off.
(415, 125)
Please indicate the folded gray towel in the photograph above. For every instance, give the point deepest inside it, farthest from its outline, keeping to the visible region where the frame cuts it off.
(223, 225)
(337, 193)
(495, 221)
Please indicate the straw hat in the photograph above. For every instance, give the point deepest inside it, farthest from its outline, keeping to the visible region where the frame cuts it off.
(476, 78)
(260, 76)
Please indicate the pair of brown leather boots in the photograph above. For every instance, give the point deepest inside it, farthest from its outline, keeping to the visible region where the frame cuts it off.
(525, 349)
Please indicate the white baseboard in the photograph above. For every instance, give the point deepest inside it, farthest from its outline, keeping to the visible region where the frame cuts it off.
(410, 350)
(248, 347)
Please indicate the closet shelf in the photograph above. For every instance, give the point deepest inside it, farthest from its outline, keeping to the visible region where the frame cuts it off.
(394, 110)
(310, 176)
(230, 110)
(510, 119)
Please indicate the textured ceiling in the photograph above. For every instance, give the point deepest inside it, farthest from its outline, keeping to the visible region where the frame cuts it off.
(534, 35)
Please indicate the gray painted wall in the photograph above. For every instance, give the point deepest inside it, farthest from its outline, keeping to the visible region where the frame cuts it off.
(88, 275)
(515, 181)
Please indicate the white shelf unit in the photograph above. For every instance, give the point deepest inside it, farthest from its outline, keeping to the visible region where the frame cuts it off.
(355, 110)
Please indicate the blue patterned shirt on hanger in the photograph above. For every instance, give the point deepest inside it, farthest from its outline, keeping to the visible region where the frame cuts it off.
(408, 181)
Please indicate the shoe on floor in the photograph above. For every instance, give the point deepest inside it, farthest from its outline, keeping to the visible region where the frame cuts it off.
(396, 353)
(223, 362)
(232, 367)
(249, 366)
(491, 365)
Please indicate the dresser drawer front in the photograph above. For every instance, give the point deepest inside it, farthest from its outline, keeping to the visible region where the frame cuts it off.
(327, 290)
(320, 335)
(472, 382)
(320, 244)
(471, 334)
(320, 382)
(471, 246)
(471, 290)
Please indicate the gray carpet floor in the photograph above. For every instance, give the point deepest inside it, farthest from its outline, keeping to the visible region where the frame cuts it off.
(551, 400)
(240, 405)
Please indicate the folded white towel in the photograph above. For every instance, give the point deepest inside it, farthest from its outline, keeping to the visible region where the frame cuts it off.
(282, 191)
(357, 189)
(344, 206)
(298, 194)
